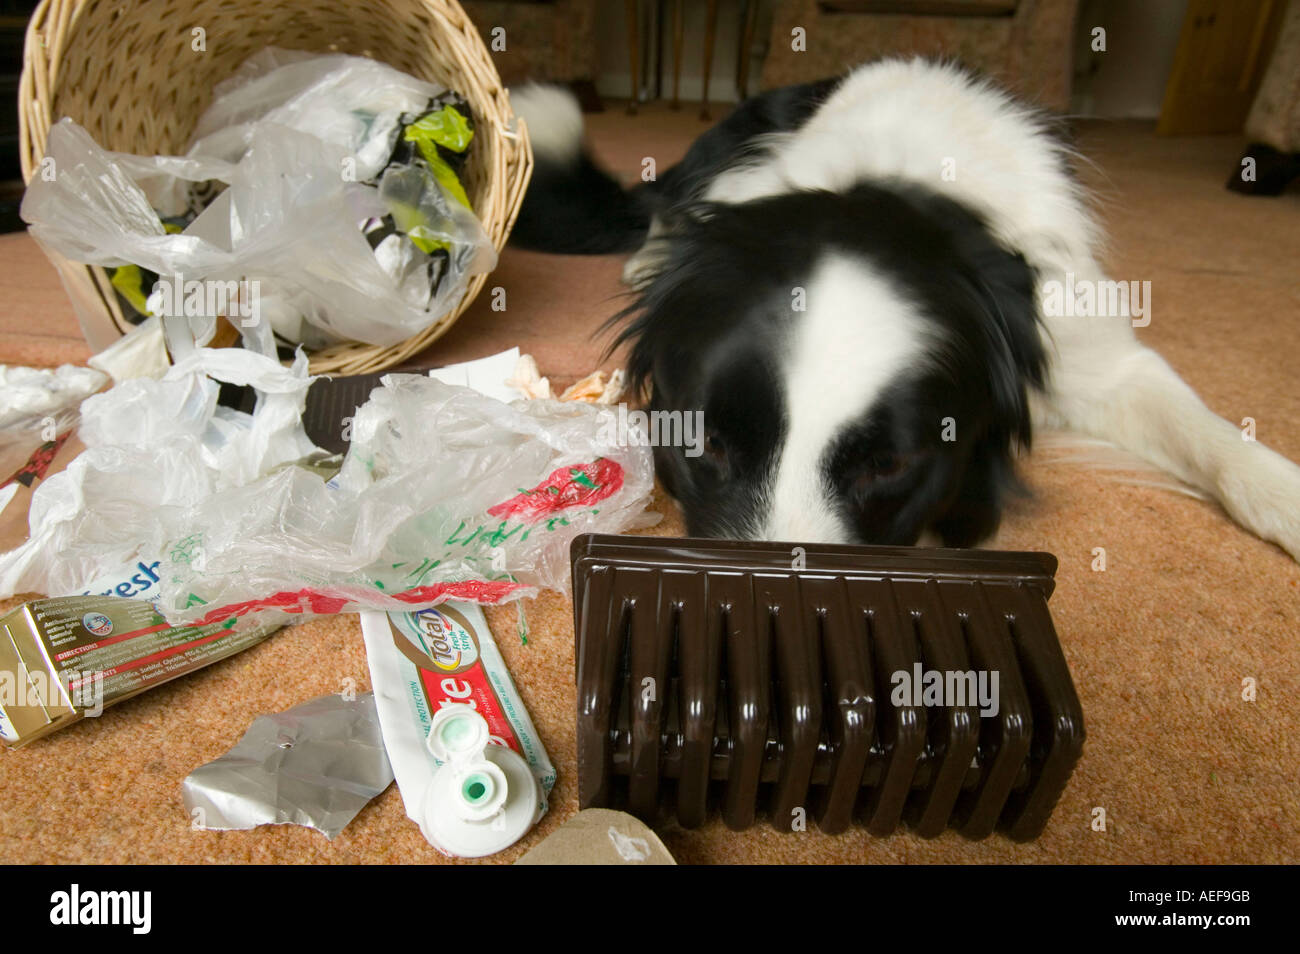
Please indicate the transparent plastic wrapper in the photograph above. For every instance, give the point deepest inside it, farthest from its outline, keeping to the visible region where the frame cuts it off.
(298, 151)
(444, 494)
(154, 448)
(37, 407)
(352, 102)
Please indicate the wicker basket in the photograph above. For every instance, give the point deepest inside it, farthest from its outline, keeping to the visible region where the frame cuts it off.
(128, 73)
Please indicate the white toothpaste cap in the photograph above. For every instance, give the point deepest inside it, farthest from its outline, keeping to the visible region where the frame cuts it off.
(484, 797)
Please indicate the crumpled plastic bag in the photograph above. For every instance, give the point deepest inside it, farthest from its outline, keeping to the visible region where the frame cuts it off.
(34, 394)
(353, 102)
(444, 494)
(317, 764)
(37, 405)
(153, 449)
(38, 408)
(300, 143)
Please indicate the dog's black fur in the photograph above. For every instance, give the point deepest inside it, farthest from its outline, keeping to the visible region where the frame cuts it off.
(704, 332)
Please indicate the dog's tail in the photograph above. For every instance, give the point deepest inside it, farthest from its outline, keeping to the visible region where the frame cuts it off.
(572, 205)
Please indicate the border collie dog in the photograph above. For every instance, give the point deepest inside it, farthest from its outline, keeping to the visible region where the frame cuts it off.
(850, 280)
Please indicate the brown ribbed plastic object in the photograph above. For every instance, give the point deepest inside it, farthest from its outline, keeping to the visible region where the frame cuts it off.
(755, 678)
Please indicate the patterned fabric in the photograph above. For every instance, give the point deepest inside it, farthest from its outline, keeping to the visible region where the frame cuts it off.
(1031, 52)
(543, 41)
(1275, 115)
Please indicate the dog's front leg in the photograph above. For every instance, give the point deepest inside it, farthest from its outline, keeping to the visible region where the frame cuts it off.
(1107, 385)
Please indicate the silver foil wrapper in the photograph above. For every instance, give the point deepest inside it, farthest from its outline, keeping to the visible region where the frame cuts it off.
(317, 765)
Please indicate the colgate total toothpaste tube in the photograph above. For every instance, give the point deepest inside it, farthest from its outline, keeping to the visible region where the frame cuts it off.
(442, 658)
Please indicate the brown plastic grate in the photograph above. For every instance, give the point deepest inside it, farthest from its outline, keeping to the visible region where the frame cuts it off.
(757, 677)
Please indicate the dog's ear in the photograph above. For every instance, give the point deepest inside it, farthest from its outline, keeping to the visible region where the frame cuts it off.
(1004, 294)
(1011, 287)
(985, 297)
(690, 272)
(991, 301)
(648, 327)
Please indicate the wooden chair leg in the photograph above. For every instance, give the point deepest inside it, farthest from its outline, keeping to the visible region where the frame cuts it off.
(710, 34)
(679, 27)
(631, 11)
(746, 44)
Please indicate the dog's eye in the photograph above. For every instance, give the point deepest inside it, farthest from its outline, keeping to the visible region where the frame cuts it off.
(886, 465)
(880, 466)
(715, 455)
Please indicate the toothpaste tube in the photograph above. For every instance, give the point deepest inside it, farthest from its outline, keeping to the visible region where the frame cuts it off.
(468, 761)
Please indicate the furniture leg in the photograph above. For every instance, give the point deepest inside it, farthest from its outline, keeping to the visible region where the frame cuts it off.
(710, 34)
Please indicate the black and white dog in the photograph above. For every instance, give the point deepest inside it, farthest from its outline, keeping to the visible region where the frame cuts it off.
(849, 279)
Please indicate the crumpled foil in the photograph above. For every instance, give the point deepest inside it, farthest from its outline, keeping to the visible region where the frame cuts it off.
(317, 765)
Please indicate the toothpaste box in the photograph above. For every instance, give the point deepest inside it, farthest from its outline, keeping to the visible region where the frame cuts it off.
(66, 658)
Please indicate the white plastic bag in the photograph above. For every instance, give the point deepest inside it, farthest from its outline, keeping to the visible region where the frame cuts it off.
(30, 395)
(154, 448)
(300, 143)
(445, 494)
(37, 405)
(351, 102)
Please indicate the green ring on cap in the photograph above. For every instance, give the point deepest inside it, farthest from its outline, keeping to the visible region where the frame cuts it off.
(477, 788)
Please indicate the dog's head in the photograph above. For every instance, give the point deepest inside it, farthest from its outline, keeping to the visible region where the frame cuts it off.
(860, 364)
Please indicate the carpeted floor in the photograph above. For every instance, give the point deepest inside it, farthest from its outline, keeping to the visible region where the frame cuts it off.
(1159, 643)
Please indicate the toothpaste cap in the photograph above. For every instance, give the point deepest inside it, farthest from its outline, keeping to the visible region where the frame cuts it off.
(457, 733)
(484, 797)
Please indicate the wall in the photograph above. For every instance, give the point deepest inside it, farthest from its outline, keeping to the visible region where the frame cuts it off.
(1127, 81)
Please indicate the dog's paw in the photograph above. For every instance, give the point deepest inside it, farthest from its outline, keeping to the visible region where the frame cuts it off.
(1261, 490)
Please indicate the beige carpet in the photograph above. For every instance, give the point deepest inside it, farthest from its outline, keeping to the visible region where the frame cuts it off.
(1159, 643)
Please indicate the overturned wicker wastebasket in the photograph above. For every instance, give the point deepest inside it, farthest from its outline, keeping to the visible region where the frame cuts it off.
(129, 73)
